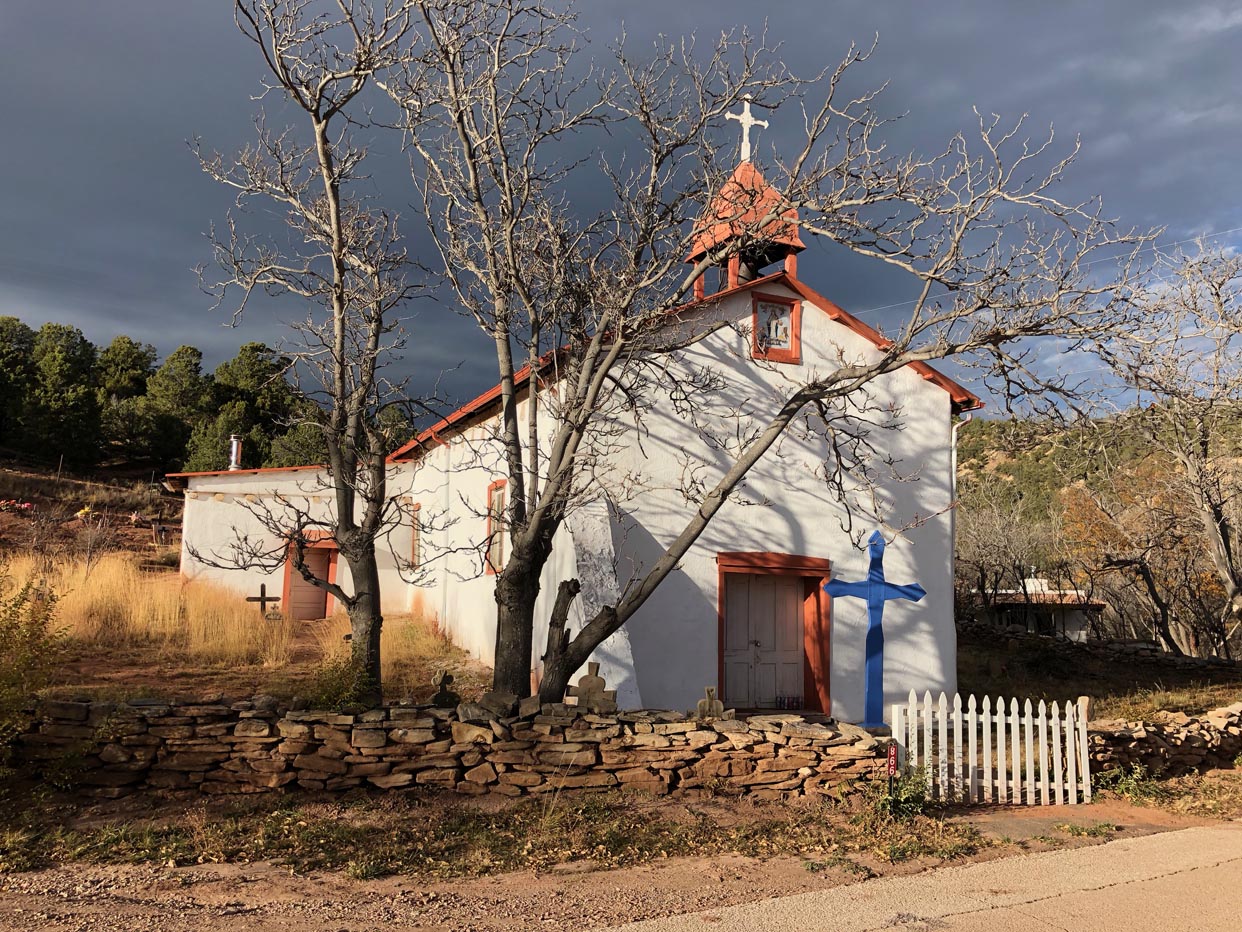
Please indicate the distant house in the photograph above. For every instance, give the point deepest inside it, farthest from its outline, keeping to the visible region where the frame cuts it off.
(1040, 609)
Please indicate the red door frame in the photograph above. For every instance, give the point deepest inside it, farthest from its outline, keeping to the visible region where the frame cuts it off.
(816, 640)
(316, 540)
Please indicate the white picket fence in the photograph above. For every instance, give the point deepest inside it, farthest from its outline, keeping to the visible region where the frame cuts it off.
(992, 754)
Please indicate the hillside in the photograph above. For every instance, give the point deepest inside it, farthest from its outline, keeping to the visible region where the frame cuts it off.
(1112, 510)
(121, 513)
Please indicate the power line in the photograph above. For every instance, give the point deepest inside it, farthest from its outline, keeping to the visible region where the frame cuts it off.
(1182, 242)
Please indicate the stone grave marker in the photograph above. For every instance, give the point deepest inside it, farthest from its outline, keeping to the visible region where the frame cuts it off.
(444, 698)
(591, 693)
(710, 707)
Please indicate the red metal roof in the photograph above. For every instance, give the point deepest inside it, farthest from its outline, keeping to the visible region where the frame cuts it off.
(737, 209)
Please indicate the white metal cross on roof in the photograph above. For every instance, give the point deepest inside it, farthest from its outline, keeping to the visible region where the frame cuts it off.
(747, 122)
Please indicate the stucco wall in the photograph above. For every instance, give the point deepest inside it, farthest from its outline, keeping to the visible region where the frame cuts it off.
(792, 511)
(668, 652)
(221, 510)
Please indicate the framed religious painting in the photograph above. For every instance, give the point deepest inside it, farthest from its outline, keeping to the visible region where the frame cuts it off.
(776, 328)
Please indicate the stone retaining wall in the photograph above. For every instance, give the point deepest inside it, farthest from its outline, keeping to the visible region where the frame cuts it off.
(1020, 641)
(1172, 743)
(256, 746)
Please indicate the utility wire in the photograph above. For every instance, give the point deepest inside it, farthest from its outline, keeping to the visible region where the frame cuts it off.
(1182, 242)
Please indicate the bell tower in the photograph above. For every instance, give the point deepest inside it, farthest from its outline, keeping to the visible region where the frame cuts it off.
(743, 230)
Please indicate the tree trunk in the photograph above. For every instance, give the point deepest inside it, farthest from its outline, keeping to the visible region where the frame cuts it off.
(573, 654)
(556, 669)
(517, 588)
(366, 622)
(1162, 611)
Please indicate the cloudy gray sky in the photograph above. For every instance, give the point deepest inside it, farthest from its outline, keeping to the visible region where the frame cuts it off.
(105, 209)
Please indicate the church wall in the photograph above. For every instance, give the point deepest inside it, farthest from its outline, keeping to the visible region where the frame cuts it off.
(450, 485)
(220, 508)
(674, 637)
(673, 640)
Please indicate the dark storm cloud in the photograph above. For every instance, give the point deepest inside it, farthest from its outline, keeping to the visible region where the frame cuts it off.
(105, 210)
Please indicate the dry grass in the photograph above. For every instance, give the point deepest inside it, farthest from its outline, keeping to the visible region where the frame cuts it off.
(134, 633)
(1194, 698)
(412, 647)
(111, 604)
(443, 837)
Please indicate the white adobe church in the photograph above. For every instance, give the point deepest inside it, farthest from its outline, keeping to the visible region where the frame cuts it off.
(746, 609)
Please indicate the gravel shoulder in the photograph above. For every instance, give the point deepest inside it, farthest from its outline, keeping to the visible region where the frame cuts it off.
(262, 896)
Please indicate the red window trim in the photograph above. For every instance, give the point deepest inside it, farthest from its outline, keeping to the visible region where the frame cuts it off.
(816, 616)
(794, 353)
(489, 569)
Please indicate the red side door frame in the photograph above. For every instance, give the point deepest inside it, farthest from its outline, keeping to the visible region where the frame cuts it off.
(816, 628)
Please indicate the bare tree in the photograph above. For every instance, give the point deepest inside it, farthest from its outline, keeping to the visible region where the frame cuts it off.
(500, 114)
(998, 542)
(1181, 382)
(343, 258)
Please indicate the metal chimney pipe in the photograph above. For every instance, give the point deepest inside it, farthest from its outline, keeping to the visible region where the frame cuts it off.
(235, 447)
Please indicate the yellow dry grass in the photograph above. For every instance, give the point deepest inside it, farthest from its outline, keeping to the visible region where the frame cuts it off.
(411, 646)
(112, 603)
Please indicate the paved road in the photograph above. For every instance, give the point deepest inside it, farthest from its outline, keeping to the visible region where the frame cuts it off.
(1189, 880)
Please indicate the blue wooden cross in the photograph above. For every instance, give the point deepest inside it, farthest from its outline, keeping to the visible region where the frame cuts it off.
(876, 590)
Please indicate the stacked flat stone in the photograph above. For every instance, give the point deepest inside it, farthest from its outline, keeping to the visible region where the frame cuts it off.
(1173, 743)
(1017, 638)
(254, 746)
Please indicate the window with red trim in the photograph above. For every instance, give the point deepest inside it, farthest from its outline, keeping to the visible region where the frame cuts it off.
(497, 499)
(776, 328)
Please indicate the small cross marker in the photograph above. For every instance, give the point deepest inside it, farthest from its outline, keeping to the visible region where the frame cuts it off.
(263, 598)
(747, 122)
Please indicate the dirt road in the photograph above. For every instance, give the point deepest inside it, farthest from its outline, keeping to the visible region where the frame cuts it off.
(1185, 881)
(263, 896)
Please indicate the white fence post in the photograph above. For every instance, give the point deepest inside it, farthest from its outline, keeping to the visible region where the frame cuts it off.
(972, 749)
(899, 735)
(1071, 754)
(1028, 729)
(1084, 755)
(927, 742)
(1015, 756)
(987, 788)
(1058, 785)
(942, 756)
(1045, 799)
(958, 783)
(912, 722)
(1002, 767)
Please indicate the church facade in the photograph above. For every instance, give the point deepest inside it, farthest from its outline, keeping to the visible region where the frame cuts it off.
(746, 609)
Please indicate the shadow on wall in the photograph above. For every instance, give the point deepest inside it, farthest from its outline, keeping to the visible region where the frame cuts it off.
(674, 638)
(674, 651)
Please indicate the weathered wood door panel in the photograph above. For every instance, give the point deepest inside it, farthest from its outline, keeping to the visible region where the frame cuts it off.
(763, 639)
(305, 600)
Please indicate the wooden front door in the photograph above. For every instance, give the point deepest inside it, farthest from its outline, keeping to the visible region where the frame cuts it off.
(763, 639)
(307, 601)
